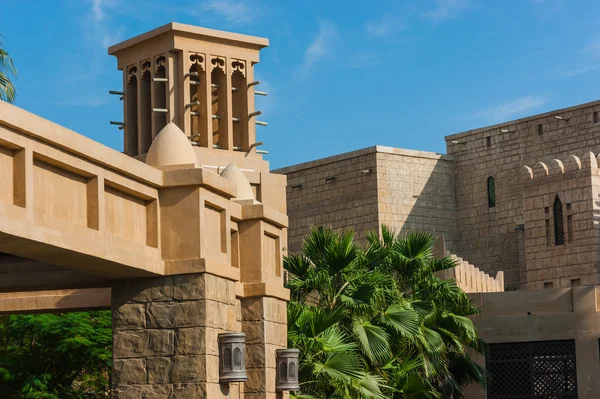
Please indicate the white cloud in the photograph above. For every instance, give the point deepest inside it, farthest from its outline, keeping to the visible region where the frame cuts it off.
(98, 29)
(99, 8)
(385, 27)
(233, 11)
(363, 60)
(579, 71)
(447, 9)
(547, 6)
(512, 109)
(322, 45)
(592, 50)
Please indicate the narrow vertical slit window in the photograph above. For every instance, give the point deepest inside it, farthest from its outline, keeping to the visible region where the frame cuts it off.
(145, 121)
(219, 103)
(196, 98)
(160, 94)
(239, 106)
(596, 117)
(570, 228)
(488, 141)
(201, 123)
(131, 128)
(540, 129)
(491, 192)
(559, 233)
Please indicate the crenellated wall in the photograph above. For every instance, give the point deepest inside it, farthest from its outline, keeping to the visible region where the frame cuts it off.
(560, 207)
(490, 237)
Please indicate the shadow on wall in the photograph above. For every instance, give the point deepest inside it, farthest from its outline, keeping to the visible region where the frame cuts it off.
(416, 193)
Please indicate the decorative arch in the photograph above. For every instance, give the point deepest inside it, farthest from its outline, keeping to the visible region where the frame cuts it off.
(237, 359)
(283, 373)
(559, 231)
(227, 361)
(491, 192)
(292, 372)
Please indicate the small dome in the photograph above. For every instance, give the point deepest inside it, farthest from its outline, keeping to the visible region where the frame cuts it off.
(171, 147)
(233, 174)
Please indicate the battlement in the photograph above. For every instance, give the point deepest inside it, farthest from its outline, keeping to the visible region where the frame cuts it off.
(572, 164)
(470, 279)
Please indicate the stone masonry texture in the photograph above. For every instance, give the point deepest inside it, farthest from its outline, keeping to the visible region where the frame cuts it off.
(447, 194)
(165, 336)
(403, 189)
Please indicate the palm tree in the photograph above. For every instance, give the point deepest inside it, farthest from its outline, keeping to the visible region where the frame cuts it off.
(375, 322)
(445, 310)
(7, 89)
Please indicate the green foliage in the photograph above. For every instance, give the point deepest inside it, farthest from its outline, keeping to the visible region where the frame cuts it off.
(375, 322)
(50, 356)
(7, 67)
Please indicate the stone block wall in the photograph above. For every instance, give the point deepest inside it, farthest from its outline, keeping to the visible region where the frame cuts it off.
(339, 191)
(416, 192)
(551, 263)
(165, 336)
(264, 322)
(406, 190)
(489, 237)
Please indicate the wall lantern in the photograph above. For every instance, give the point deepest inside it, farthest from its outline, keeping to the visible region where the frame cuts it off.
(287, 370)
(232, 358)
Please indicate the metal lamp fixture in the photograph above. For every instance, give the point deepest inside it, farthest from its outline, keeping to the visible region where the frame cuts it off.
(232, 358)
(287, 370)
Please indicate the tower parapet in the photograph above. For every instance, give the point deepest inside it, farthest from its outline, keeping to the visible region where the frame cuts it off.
(200, 79)
(559, 209)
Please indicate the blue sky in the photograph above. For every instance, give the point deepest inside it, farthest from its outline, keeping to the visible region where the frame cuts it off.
(341, 75)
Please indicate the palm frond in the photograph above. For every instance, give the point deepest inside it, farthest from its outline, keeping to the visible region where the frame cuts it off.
(403, 320)
(374, 341)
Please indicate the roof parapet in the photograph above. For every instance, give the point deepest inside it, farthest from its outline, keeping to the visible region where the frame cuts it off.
(555, 167)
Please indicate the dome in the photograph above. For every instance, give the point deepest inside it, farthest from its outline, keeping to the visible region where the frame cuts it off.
(171, 147)
(233, 174)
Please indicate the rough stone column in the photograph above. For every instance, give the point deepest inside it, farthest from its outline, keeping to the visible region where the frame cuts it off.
(264, 320)
(165, 336)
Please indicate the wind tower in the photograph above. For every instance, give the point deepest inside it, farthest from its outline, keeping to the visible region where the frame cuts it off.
(200, 79)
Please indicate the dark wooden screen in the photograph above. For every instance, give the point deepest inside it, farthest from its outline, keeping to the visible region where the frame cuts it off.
(532, 370)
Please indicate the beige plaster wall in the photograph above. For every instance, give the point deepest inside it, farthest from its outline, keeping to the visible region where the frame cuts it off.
(544, 315)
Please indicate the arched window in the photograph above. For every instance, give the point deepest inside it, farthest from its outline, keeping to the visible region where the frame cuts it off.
(559, 231)
(292, 371)
(237, 359)
(491, 192)
(227, 359)
(283, 374)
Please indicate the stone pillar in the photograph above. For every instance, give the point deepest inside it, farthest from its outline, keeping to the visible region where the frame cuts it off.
(165, 336)
(264, 320)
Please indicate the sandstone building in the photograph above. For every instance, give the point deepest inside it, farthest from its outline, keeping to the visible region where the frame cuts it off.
(475, 196)
(517, 205)
(182, 236)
